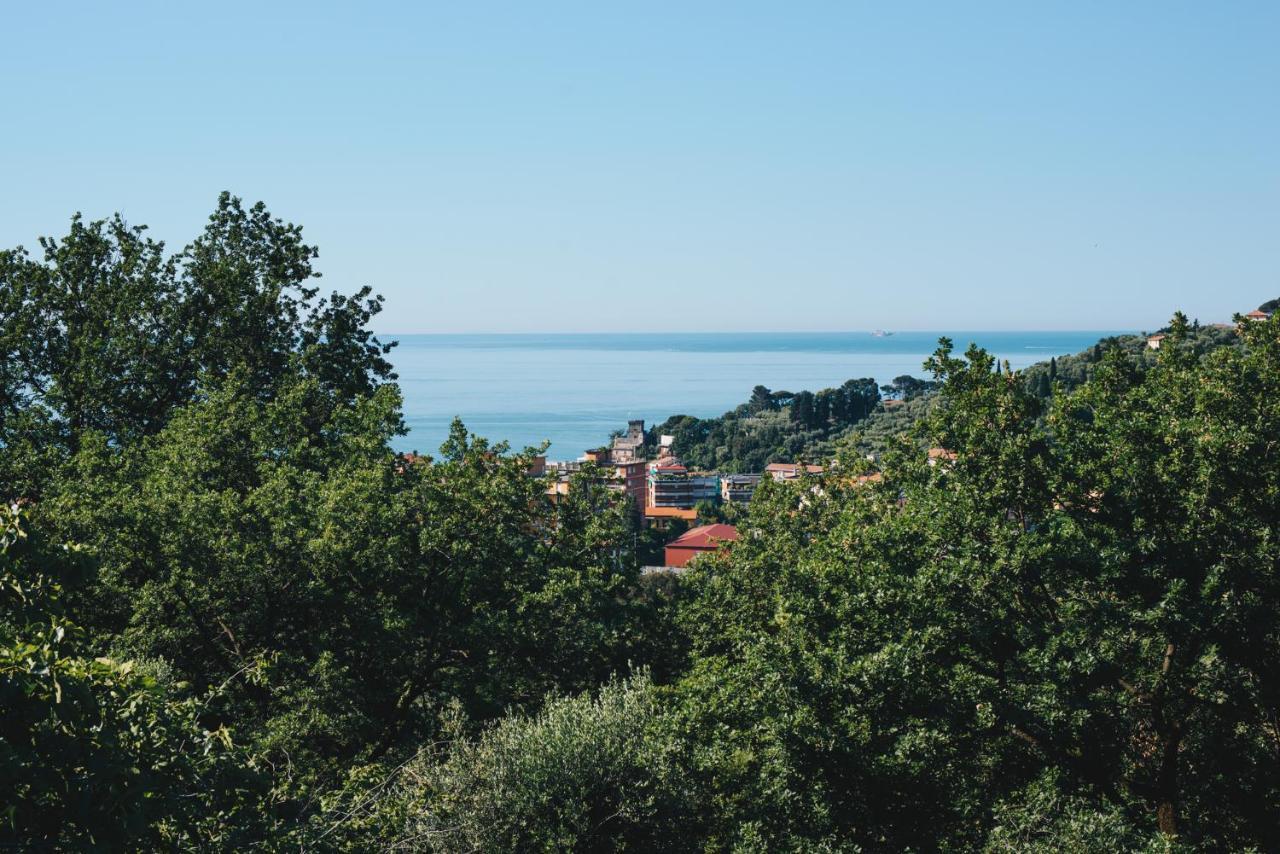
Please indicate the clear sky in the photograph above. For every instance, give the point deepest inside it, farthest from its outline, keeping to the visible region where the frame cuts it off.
(681, 166)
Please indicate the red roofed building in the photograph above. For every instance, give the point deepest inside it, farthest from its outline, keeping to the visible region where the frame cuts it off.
(1258, 315)
(704, 539)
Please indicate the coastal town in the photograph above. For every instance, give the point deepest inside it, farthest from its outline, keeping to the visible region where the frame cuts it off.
(668, 496)
(665, 494)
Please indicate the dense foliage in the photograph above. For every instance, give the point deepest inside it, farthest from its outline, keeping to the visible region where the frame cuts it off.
(1070, 372)
(232, 617)
(772, 426)
(245, 526)
(96, 752)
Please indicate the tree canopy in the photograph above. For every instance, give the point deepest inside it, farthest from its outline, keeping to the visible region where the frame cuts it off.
(231, 616)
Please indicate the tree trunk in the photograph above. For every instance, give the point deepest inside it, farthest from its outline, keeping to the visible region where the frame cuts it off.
(1167, 785)
(1170, 734)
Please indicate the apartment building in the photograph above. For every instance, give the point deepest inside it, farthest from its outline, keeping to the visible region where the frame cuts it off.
(671, 484)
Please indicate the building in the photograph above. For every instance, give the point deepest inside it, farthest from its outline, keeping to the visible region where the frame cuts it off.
(705, 539)
(629, 447)
(671, 484)
(1153, 341)
(625, 478)
(937, 455)
(631, 479)
(738, 488)
(661, 518)
(560, 477)
(1258, 315)
(789, 471)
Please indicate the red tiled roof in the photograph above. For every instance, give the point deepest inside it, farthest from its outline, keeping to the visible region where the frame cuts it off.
(705, 537)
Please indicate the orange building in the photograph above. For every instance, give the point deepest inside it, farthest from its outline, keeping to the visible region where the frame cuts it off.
(704, 539)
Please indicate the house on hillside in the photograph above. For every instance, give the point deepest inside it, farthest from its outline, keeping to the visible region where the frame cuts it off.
(941, 455)
(705, 539)
(1258, 315)
(1153, 341)
(789, 471)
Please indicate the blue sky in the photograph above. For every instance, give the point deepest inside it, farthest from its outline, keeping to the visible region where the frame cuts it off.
(682, 166)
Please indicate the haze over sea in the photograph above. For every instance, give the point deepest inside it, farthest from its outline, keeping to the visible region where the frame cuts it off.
(573, 389)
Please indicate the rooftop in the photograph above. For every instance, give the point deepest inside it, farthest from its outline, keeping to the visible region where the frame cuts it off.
(792, 468)
(671, 513)
(705, 537)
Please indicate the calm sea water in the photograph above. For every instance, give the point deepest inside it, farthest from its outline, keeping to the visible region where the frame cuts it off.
(574, 389)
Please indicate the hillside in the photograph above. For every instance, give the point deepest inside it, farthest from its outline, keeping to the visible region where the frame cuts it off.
(782, 426)
(771, 426)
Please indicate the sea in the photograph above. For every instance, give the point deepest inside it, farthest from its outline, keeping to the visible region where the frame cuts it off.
(572, 390)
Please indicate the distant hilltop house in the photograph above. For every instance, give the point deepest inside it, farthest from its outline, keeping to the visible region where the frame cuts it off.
(1258, 314)
(1153, 341)
(937, 455)
(629, 447)
(705, 539)
(789, 471)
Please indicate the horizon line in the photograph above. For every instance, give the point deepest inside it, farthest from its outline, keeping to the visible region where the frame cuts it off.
(1126, 330)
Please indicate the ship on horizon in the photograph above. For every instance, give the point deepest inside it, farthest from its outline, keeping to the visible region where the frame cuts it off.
(880, 333)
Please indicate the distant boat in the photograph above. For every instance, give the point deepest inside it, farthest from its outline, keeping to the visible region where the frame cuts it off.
(880, 333)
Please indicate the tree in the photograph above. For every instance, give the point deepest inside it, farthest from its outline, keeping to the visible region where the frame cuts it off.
(586, 773)
(227, 465)
(822, 406)
(98, 751)
(860, 397)
(246, 530)
(1179, 492)
(106, 333)
(907, 387)
(1084, 599)
(761, 400)
(1044, 385)
(802, 410)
